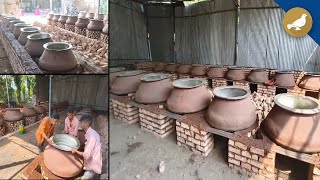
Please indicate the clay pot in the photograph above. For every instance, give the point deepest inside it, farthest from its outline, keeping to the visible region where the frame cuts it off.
(12, 23)
(13, 114)
(184, 69)
(8, 19)
(57, 57)
(50, 16)
(17, 27)
(95, 24)
(45, 107)
(114, 72)
(198, 70)
(90, 15)
(105, 29)
(293, 123)
(310, 81)
(82, 15)
(25, 32)
(29, 112)
(258, 76)
(35, 43)
(154, 88)
(236, 74)
(171, 67)
(160, 67)
(284, 79)
(39, 109)
(72, 20)
(63, 19)
(216, 72)
(82, 22)
(126, 82)
(188, 96)
(64, 164)
(56, 17)
(231, 109)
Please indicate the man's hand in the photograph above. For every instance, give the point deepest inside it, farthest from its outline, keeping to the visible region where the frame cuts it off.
(50, 142)
(74, 151)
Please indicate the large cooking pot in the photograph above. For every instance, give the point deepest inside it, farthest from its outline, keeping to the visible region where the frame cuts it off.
(188, 96)
(50, 16)
(310, 81)
(284, 79)
(258, 76)
(8, 19)
(294, 123)
(64, 164)
(114, 72)
(105, 29)
(82, 22)
(126, 82)
(184, 69)
(17, 27)
(57, 57)
(171, 67)
(29, 111)
(35, 43)
(63, 19)
(216, 72)
(72, 20)
(231, 109)
(12, 23)
(25, 32)
(65, 142)
(95, 25)
(45, 107)
(236, 74)
(198, 70)
(13, 114)
(39, 109)
(56, 17)
(154, 88)
(160, 67)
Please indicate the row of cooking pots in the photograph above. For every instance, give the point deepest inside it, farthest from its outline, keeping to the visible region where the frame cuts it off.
(54, 56)
(310, 81)
(292, 123)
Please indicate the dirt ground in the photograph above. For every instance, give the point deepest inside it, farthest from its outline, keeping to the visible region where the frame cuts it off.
(135, 154)
(5, 66)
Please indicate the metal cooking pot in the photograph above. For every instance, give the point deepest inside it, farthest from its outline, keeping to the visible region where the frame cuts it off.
(65, 142)
(310, 81)
(126, 82)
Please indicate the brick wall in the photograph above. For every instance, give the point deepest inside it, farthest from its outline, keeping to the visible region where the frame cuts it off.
(125, 112)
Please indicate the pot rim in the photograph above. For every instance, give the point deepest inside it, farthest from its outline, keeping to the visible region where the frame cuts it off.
(16, 20)
(296, 110)
(23, 24)
(31, 29)
(198, 65)
(258, 70)
(157, 76)
(216, 66)
(48, 36)
(284, 72)
(130, 73)
(235, 68)
(63, 136)
(116, 69)
(13, 109)
(177, 85)
(217, 89)
(45, 46)
(314, 74)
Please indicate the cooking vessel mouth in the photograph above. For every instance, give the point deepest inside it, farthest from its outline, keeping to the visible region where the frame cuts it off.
(116, 69)
(198, 65)
(16, 21)
(57, 46)
(216, 66)
(258, 70)
(187, 83)
(284, 72)
(153, 77)
(231, 92)
(65, 142)
(11, 17)
(298, 104)
(315, 74)
(235, 68)
(22, 25)
(130, 73)
(38, 36)
(30, 29)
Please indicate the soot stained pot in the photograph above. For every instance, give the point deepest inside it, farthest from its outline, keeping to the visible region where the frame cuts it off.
(126, 82)
(64, 164)
(171, 67)
(17, 27)
(188, 96)
(50, 16)
(8, 19)
(258, 76)
(25, 32)
(231, 109)
(160, 67)
(284, 79)
(63, 19)
(198, 70)
(184, 69)
(39, 109)
(294, 123)
(13, 114)
(29, 111)
(114, 72)
(12, 23)
(56, 17)
(310, 81)
(35, 43)
(154, 88)
(236, 74)
(72, 20)
(82, 22)
(216, 72)
(95, 24)
(57, 57)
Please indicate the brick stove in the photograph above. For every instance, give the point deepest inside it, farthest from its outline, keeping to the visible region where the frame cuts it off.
(124, 110)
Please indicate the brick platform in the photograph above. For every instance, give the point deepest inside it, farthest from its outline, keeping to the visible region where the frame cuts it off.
(81, 31)
(218, 82)
(183, 76)
(244, 84)
(12, 125)
(2, 131)
(30, 120)
(70, 27)
(174, 76)
(125, 112)
(146, 65)
(266, 90)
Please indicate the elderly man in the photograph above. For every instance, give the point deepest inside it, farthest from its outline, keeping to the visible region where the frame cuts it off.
(71, 123)
(92, 151)
(46, 130)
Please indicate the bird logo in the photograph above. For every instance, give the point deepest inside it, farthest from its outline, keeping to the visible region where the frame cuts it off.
(297, 22)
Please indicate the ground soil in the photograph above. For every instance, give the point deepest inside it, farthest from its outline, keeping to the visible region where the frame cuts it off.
(5, 66)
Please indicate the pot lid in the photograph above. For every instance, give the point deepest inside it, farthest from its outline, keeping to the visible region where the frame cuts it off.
(38, 36)
(231, 92)
(130, 73)
(152, 77)
(116, 69)
(57, 46)
(187, 83)
(65, 142)
(298, 104)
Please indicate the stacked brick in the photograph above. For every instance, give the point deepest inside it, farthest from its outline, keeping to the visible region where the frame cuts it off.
(174, 76)
(125, 112)
(251, 160)
(198, 141)
(217, 82)
(159, 125)
(264, 104)
(266, 90)
(244, 84)
(183, 76)
(296, 90)
(146, 65)
(298, 75)
(30, 120)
